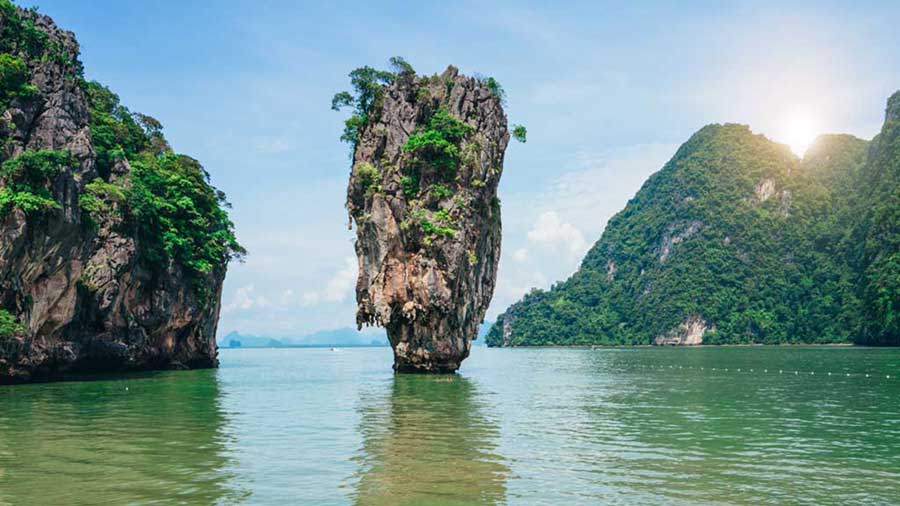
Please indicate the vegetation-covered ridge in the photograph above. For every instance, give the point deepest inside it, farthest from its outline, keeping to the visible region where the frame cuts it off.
(162, 198)
(736, 240)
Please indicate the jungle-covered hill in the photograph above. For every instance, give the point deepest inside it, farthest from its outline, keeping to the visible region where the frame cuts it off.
(736, 240)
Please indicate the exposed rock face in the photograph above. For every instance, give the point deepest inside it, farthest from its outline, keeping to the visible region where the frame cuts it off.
(428, 229)
(86, 298)
(688, 333)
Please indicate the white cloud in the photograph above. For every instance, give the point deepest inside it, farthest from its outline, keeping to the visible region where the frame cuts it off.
(246, 298)
(272, 145)
(343, 283)
(550, 230)
(520, 255)
(309, 299)
(287, 297)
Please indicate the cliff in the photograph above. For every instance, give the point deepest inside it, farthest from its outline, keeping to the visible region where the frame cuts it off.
(876, 238)
(736, 240)
(427, 159)
(113, 248)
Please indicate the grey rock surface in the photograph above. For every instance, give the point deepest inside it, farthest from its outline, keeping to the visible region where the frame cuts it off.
(429, 290)
(87, 300)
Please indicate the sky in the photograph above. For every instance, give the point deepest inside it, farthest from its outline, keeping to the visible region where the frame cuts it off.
(607, 90)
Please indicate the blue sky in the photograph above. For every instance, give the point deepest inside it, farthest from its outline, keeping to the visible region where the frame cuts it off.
(608, 90)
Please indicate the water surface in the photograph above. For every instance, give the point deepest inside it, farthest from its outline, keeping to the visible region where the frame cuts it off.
(708, 426)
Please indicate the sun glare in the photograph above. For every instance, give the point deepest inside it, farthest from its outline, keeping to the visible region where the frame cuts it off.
(798, 132)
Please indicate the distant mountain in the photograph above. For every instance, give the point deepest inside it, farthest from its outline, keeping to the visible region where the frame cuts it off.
(235, 339)
(736, 240)
(344, 337)
(339, 337)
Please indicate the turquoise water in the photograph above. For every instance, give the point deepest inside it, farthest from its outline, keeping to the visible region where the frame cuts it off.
(534, 426)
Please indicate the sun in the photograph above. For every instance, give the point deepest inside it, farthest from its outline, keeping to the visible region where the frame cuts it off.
(798, 131)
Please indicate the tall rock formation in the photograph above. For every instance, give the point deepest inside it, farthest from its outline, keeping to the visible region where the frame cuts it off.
(113, 249)
(423, 196)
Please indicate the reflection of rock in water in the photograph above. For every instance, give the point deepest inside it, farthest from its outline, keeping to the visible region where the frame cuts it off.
(429, 442)
(161, 441)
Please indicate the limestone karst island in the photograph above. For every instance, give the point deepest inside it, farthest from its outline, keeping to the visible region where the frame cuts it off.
(253, 255)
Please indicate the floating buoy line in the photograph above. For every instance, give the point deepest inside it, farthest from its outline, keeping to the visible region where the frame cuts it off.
(795, 372)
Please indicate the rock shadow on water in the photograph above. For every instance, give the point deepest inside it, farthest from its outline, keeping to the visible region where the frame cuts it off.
(428, 440)
(152, 439)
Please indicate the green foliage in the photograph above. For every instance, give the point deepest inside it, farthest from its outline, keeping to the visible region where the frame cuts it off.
(496, 90)
(368, 177)
(400, 67)
(22, 41)
(98, 196)
(441, 191)
(368, 85)
(169, 204)
(703, 239)
(19, 34)
(116, 132)
(178, 215)
(9, 327)
(876, 239)
(410, 184)
(440, 224)
(438, 144)
(26, 180)
(13, 79)
(519, 133)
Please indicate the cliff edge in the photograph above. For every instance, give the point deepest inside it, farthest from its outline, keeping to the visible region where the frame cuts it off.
(113, 248)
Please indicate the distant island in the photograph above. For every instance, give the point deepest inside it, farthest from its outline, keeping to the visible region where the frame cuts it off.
(343, 338)
(737, 240)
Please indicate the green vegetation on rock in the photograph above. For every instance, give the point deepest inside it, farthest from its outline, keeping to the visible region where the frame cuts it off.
(13, 79)
(877, 237)
(520, 133)
(437, 145)
(26, 179)
(368, 84)
(737, 239)
(167, 201)
(8, 325)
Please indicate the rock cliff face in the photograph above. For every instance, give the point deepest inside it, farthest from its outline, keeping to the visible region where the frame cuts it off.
(423, 196)
(76, 273)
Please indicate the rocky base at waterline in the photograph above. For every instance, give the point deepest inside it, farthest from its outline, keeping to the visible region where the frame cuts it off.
(423, 195)
(113, 248)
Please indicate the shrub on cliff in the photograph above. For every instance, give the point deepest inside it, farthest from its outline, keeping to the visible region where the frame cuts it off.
(8, 325)
(26, 179)
(169, 203)
(438, 144)
(368, 84)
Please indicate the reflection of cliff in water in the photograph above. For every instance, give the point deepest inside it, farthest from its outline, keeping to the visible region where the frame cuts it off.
(153, 439)
(429, 440)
